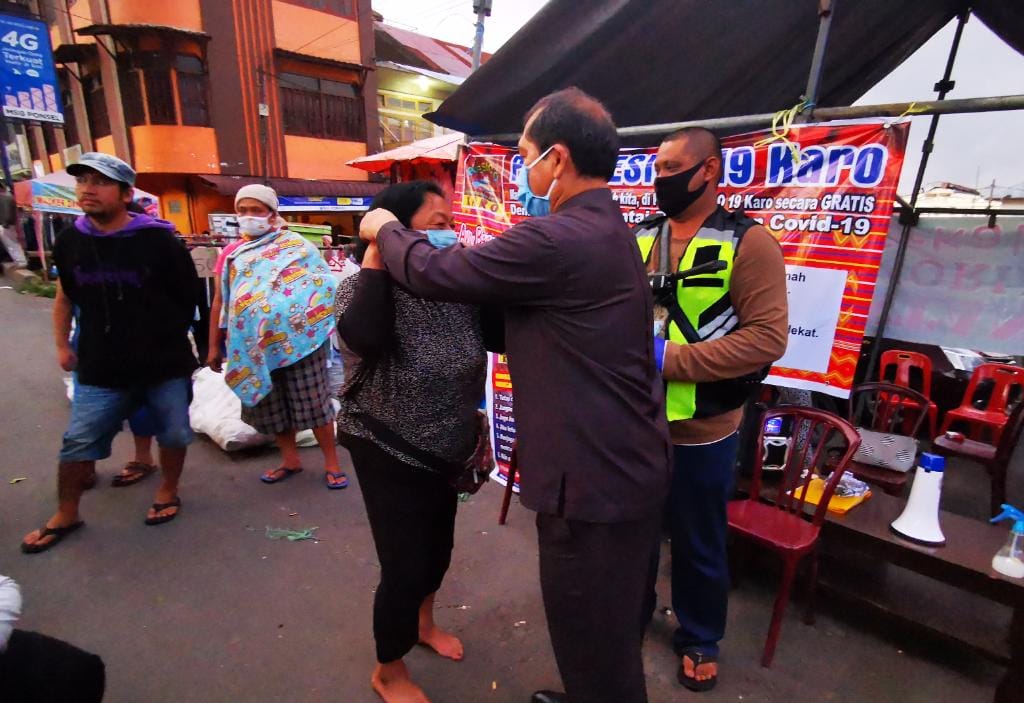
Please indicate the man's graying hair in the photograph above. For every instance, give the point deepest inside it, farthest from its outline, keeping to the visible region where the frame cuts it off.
(582, 124)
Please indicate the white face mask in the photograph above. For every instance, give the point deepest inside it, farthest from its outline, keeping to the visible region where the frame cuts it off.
(252, 226)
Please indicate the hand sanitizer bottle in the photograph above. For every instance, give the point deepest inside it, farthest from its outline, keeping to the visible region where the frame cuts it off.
(1010, 559)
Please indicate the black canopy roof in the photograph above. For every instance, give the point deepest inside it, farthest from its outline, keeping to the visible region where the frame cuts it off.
(655, 61)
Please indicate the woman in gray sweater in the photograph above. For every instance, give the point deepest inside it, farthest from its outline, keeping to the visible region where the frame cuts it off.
(417, 383)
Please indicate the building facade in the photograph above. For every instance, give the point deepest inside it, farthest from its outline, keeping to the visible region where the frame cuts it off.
(415, 73)
(204, 96)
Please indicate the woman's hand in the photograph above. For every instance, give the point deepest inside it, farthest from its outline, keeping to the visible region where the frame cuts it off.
(371, 259)
(373, 221)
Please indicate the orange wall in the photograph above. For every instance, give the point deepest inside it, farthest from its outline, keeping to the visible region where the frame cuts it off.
(106, 145)
(295, 26)
(171, 190)
(183, 14)
(173, 149)
(206, 202)
(323, 158)
(192, 200)
(81, 16)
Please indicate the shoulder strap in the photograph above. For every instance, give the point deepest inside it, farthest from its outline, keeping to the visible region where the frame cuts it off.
(653, 226)
(679, 319)
(388, 436)
(739, 222)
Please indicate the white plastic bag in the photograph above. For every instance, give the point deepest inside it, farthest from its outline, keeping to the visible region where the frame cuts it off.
(217, 412)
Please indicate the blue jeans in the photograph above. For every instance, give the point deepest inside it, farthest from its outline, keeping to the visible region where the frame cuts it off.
(702, 484)
(97, 415)
(140, 422)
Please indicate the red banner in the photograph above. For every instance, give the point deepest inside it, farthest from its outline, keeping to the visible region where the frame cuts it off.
(825, 191)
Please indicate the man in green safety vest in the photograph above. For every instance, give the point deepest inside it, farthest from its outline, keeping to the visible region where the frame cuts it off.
(719, 332)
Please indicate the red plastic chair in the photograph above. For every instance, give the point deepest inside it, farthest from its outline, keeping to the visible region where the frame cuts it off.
(903, 363)
(994, 416)
(883, 407)
(781, 524)
(995, 459)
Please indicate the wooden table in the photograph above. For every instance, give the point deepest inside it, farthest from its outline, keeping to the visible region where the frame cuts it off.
(965, 562)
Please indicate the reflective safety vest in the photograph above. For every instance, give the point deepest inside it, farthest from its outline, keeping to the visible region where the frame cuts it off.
(701, 309)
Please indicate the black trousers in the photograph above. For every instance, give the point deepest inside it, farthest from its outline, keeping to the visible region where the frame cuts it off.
(412, 517)
(40, 669)
(595, 579)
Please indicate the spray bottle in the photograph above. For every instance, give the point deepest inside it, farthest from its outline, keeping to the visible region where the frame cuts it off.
(1010, 559)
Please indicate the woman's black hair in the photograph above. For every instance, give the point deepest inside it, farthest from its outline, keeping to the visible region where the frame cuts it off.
(403, 200)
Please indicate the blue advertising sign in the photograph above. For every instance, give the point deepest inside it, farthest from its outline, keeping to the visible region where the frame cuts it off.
(333, 204)
(27, 75)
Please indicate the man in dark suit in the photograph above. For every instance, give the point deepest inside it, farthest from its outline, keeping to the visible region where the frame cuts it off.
(593, 445)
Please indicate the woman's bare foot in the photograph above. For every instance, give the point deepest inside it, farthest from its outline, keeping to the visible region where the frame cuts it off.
(392, 683)
(444, 643)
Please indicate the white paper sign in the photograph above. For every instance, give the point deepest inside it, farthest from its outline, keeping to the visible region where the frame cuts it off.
(814, 295)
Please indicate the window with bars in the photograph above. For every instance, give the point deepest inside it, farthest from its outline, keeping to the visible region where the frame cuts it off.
(70, 126)
(401, 119)
(96, 105)
(148, 87)
(156, 75)
(192, 90)
(322, 108)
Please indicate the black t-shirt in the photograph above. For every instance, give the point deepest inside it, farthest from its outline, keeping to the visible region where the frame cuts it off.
(136, 298)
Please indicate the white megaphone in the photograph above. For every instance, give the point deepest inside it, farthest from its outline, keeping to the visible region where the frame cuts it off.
(919, 521)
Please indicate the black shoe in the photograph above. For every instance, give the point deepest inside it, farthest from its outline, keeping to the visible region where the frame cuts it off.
(549, 697)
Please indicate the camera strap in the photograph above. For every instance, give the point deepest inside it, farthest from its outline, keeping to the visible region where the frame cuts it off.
(679, 319)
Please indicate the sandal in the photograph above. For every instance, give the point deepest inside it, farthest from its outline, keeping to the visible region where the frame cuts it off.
(133, 472)
(698, 658)
(275, 475)
(160, 507)
(341, 480)
(58, 533)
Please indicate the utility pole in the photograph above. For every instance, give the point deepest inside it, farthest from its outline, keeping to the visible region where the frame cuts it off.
(482, 8)
(263, 109)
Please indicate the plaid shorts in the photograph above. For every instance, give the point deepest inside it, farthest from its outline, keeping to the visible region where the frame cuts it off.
(299, 399)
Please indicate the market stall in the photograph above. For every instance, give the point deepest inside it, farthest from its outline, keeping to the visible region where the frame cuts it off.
(432, 159)
(338, 205)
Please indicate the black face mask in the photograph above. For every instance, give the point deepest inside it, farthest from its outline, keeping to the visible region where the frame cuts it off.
(673, 192)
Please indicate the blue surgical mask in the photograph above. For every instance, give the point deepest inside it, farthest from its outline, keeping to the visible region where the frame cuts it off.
(535, 205)
(442, 238)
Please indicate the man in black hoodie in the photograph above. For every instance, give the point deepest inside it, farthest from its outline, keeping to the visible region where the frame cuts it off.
(135, 287)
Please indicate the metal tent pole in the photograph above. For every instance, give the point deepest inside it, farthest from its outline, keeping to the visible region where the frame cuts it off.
(909, 218)
(822, 114)
(825, 9)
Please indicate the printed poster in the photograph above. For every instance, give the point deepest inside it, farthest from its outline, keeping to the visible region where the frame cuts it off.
(826, 192)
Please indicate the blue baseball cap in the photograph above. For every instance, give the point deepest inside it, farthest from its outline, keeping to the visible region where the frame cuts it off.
(109, 166)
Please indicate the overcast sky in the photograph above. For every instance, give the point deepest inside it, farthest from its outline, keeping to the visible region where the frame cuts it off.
(969, 149)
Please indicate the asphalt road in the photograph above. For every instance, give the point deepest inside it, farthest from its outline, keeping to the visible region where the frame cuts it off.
(208, 609)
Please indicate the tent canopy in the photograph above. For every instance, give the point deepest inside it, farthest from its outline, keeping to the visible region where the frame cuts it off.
(433, 150)
(656, 61)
